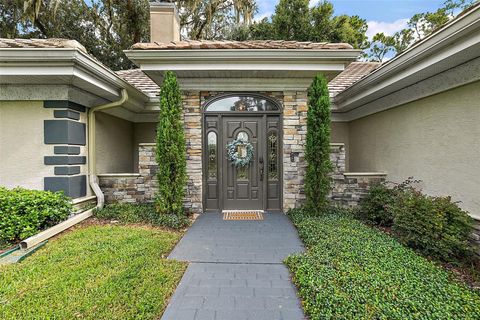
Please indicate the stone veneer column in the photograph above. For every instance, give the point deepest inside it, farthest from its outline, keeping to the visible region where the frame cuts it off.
(294, 138)
(193, 136)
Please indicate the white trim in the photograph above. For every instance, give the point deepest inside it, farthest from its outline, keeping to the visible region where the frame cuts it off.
(143, 56)
(245, 84)
(64, 66)
(450, 79)
(456, 43)
(364, 174)
(106, 175)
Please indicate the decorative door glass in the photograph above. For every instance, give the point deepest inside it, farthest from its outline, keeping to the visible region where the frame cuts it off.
(212, 155)
(272, 155)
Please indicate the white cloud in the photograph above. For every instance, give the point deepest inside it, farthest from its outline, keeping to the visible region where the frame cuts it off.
(388, 28)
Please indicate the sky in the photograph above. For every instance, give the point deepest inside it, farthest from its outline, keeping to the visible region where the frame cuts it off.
(386, 16)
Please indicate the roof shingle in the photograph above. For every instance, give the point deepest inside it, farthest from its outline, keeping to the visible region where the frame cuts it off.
(352, 73)
(253, 44)
(57, 43)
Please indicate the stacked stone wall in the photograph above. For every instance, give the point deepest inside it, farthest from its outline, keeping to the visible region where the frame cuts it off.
(347, 190)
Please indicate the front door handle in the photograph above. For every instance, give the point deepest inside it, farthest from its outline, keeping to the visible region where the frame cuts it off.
(261, 168)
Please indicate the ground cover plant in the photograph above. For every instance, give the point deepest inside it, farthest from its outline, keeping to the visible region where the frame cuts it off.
(94, 272)
(23, 213)
(141, 213)
(353, 271)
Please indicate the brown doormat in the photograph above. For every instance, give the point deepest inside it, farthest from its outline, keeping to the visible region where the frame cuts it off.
(243, 215)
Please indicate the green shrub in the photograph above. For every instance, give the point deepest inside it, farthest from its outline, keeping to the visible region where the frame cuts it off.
(435, 226)
(171, 149)
(23, 213)
(352, 271)
(317, 147)
(376, 208)
(141, 213)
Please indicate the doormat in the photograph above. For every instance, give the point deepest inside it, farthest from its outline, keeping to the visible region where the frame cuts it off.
(243, 215)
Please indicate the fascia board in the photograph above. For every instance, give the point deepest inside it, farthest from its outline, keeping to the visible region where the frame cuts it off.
(144, 57)
(82, 68)
(429, 49)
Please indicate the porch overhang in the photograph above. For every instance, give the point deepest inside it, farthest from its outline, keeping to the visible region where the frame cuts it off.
(41, 73)
(243, 69)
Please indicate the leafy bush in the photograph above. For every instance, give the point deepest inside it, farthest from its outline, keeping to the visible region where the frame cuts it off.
(376, 208)
(435, 226)
(352, 271)
(141, 213)
(23, 213)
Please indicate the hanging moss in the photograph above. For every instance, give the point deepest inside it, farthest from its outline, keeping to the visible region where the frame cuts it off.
(171, 149)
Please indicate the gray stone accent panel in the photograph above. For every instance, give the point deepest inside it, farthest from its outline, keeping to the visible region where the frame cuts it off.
(74, 186)
(66, 150)
(70, 114)
(64, 132)
(62, 160)
(68, 170)
(63, 104)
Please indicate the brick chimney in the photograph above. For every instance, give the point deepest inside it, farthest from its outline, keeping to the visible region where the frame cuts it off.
(164, 22)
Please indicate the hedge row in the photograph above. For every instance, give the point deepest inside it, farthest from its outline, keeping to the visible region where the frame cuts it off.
(434, 226)
(141, 213)
(23, 213)
(351, 271)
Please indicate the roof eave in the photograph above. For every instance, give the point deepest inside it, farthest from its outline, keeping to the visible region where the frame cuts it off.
(68, 65)
(458, 41)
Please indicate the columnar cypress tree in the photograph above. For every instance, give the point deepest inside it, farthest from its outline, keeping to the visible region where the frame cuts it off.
(317, 150)
(171, 149)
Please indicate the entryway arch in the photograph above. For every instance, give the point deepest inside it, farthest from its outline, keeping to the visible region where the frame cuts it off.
(257, 119)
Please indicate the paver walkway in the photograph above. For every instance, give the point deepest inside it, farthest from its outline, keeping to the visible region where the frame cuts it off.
(236, 270)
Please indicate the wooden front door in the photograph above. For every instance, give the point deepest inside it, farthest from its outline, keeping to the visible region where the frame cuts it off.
(243, 186)
(255, 186)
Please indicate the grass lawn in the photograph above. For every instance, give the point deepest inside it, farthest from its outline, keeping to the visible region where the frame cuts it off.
(94, 272)
(351, 271)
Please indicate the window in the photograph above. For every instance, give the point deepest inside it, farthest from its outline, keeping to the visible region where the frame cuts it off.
(272, 155)
(242, 103)
(212, 155)
(242, 172)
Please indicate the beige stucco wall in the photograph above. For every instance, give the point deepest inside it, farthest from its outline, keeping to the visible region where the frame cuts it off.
(21, 144)
(436, 139)
(114, 144)
(340, 134)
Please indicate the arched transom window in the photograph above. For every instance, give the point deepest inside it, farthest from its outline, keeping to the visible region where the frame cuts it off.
(242, 102)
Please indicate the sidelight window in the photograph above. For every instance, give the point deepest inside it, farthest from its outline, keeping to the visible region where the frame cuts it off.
(272, 155)
(212, 155)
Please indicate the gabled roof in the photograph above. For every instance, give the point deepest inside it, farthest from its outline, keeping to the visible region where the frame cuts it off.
(41, 43)
(254, 44)
(353, 73)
